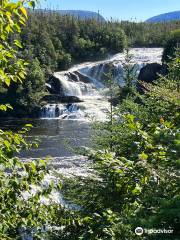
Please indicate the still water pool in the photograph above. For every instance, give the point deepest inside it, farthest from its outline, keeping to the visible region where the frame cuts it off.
(58, 139)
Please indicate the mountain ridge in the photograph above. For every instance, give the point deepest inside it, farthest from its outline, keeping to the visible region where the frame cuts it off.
(165, 17)
(81, 14)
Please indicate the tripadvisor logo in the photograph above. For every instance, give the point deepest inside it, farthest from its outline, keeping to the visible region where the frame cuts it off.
(139, 231)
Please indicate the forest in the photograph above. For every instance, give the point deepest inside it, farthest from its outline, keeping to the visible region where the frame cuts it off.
(135, 156)
(53, 42)
(57, 42)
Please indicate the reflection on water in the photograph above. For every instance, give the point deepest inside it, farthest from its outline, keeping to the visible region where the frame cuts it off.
(57, 139)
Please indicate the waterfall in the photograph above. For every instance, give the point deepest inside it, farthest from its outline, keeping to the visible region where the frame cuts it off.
(61, 111)
(86, 80)
(94, 73)
(69, 88)
(52, 110)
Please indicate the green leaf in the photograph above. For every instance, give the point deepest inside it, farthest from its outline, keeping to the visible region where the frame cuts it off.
(143, 156)
(21, 74)
(7, 144)
(33, 166)
(7, 81)
(17, 28)
(23, 10)
(32, 4)
(17, 43)
(11, 5)
(3, 107)
(29, 125)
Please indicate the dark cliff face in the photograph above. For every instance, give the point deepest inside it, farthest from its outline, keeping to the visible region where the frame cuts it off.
(166, 17)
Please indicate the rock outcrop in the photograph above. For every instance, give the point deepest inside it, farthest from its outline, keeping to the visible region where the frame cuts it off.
(55, 98)
(150, 72)
(78, 76)
(54, 86)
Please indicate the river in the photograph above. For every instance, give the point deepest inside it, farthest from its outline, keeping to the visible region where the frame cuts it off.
(60, 135)
(58, 140)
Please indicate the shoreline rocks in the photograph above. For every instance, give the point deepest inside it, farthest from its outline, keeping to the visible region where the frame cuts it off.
(55, 98)
(149, 74)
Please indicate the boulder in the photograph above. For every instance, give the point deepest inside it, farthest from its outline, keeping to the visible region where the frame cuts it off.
(54, 86)
(55, 98)
(73, 76)
(150, 72)
(81, 77)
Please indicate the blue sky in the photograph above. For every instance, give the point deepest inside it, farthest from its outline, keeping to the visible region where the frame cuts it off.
(117, 9)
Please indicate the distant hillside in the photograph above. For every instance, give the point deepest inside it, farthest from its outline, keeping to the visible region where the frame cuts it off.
(77, 13)
(166, 17)
(82, 14)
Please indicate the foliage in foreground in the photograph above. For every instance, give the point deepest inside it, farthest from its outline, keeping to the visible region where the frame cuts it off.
(24, 196)
(173, 43)
(137, 163)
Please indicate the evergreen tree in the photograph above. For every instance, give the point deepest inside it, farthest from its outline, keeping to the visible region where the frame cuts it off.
(172, 44)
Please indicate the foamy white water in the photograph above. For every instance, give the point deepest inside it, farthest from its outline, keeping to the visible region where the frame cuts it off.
(86, 81)
(70, 123)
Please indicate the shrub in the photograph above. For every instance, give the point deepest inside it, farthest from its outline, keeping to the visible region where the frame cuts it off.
(172, 44)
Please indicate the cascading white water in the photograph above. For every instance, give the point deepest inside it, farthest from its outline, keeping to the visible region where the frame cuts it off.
(140, 57)
(92, 107)
(88, 79)
(62, 111)
(69, 88)
(52, 110)
(94, 73)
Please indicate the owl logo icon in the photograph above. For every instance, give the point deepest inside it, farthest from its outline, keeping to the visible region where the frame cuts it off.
(139, 231)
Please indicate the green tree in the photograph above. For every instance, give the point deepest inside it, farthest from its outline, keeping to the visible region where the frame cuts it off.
(25, 97)
(137, 181)
(172, 44)
(32, 90)
(21, 210)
